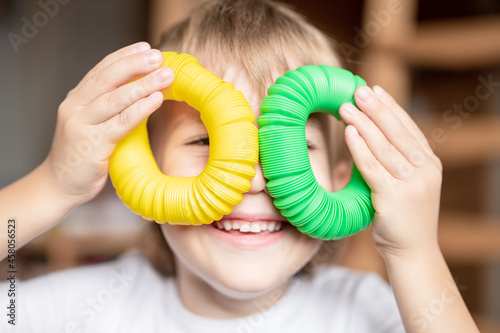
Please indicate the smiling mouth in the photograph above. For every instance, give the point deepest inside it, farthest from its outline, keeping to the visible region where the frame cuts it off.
(249, 228)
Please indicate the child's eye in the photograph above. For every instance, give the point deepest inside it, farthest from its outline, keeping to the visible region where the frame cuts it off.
(310, 145)
(201, 140)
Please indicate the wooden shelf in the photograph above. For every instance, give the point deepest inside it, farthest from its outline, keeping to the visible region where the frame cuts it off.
(476, 140)
(469, 238)
(452, 44)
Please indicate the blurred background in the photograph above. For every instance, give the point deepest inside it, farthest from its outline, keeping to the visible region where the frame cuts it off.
(440, 59)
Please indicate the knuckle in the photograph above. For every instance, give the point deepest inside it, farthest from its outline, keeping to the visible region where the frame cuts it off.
(70, 93)
(436, 176)
(64, 109)
(96, 69)
(417, 157)
(68, 128)
(439, 164)
(374, 108)
(141, 89)
(387, 149)
(135, 60)
(105, 60)
(114, 101)
(123, 120)
(372, 163)
(99, 78)
(377, 108)
(148, 82)
(134, 63)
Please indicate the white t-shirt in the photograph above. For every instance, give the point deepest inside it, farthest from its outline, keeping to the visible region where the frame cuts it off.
(128, 295)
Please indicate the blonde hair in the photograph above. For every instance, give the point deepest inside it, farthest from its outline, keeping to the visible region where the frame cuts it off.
(263, 38)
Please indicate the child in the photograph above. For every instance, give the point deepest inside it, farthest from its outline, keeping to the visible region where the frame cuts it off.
(230, 280)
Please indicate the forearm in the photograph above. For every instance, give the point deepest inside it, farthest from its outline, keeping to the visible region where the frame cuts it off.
(427, 296)
(36, 205)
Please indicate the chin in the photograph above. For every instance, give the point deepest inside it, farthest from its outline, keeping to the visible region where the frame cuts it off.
(246, 283)
(242, 265)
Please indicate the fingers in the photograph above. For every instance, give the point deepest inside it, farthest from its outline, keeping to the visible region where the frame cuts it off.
(383, 150)
(389, 125)
(124, 122)
(116, 74)
(403, 116)
(110, 58)
(116, 101)
(374, 173)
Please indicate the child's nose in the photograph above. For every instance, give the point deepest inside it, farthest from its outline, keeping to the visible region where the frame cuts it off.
(258, 183)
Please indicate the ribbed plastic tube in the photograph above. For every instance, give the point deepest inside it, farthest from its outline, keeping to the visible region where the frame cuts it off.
(285, 160)
(232, 157)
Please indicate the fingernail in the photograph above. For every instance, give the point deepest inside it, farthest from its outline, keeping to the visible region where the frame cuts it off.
(353, 132)
(153, 57)
(365, 94)
(162, 75)
(141, 47)
(350, 109)
(151, 98)
(379, 91)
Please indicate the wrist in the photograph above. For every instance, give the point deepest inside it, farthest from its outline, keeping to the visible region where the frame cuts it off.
(417, 254)
(53, 186)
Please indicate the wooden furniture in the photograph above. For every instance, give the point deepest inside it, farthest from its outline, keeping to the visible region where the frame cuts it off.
(397, 45)
(401, 45)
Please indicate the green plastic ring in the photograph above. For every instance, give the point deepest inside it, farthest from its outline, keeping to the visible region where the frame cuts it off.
(285, 158)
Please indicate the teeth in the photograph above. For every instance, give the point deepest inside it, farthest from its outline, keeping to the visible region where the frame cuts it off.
(255, 227)
(245, 227)
(271, 226)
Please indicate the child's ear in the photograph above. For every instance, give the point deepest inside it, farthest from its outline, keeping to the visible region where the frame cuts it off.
(341, 174)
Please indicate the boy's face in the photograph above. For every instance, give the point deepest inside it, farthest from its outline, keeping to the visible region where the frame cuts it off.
(234, 263)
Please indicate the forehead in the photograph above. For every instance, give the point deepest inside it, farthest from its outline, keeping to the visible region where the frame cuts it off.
(239, 77)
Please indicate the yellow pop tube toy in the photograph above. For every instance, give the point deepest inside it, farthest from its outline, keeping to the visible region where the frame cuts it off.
(233, 153)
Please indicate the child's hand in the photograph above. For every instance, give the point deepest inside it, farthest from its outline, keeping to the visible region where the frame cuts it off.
(102, 109)
(403, 173)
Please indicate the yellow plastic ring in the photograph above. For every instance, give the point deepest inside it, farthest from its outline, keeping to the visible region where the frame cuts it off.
(213, 193)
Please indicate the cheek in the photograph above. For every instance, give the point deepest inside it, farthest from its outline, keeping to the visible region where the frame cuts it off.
(172, 235)
(183, 241)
